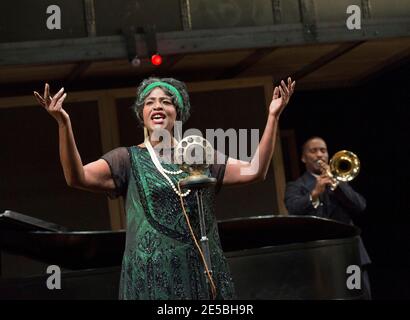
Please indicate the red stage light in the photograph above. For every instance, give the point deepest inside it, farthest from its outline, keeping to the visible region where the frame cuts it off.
(156, 59)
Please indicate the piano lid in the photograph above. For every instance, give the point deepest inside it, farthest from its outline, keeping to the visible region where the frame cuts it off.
(274, 230)
(53, 244)
(11, 220)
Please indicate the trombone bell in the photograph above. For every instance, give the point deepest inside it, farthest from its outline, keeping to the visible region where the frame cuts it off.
(344, 165)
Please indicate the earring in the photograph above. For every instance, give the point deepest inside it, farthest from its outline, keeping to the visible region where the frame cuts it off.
(146, 135)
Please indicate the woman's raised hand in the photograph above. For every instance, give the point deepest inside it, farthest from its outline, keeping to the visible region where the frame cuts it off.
(53, 105)
(281, 96)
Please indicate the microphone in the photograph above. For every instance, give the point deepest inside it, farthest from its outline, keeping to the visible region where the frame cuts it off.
(194, 154)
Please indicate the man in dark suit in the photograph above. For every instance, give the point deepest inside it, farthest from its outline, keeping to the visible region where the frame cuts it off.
(311, 195)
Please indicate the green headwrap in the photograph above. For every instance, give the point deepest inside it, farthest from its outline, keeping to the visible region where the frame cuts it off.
(169, 87)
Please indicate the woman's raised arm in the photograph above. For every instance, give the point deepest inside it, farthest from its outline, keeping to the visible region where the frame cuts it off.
(239, 172)
(95, 176)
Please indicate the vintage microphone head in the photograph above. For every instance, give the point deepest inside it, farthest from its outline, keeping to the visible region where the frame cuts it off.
(194, 154)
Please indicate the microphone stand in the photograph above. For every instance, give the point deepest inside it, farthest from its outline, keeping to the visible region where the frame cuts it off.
(197, 180)
(194, 154)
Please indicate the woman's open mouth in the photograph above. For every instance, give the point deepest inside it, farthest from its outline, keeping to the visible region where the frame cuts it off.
(158, 117)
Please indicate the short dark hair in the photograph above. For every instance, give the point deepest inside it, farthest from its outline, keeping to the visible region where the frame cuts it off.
(182, 114)
(308, 140)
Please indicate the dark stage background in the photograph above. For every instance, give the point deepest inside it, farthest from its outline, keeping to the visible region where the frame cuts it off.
(373, 122)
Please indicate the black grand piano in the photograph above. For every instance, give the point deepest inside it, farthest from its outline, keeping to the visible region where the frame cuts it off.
(270, 257)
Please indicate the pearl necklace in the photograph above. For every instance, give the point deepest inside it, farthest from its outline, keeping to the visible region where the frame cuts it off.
(164, 171)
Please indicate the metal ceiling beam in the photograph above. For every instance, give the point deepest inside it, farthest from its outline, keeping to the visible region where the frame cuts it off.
(186, 18)
(308, 16)
(89, 12)
(367, 9)
(185, 42)
(277, 11)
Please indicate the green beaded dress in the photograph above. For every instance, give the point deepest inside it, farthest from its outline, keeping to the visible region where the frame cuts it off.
(160, 258)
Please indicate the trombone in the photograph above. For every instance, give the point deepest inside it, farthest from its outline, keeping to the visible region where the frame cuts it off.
(343, 166)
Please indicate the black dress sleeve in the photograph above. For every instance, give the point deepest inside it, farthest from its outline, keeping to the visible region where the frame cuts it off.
(120, 166)
(218, 169)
